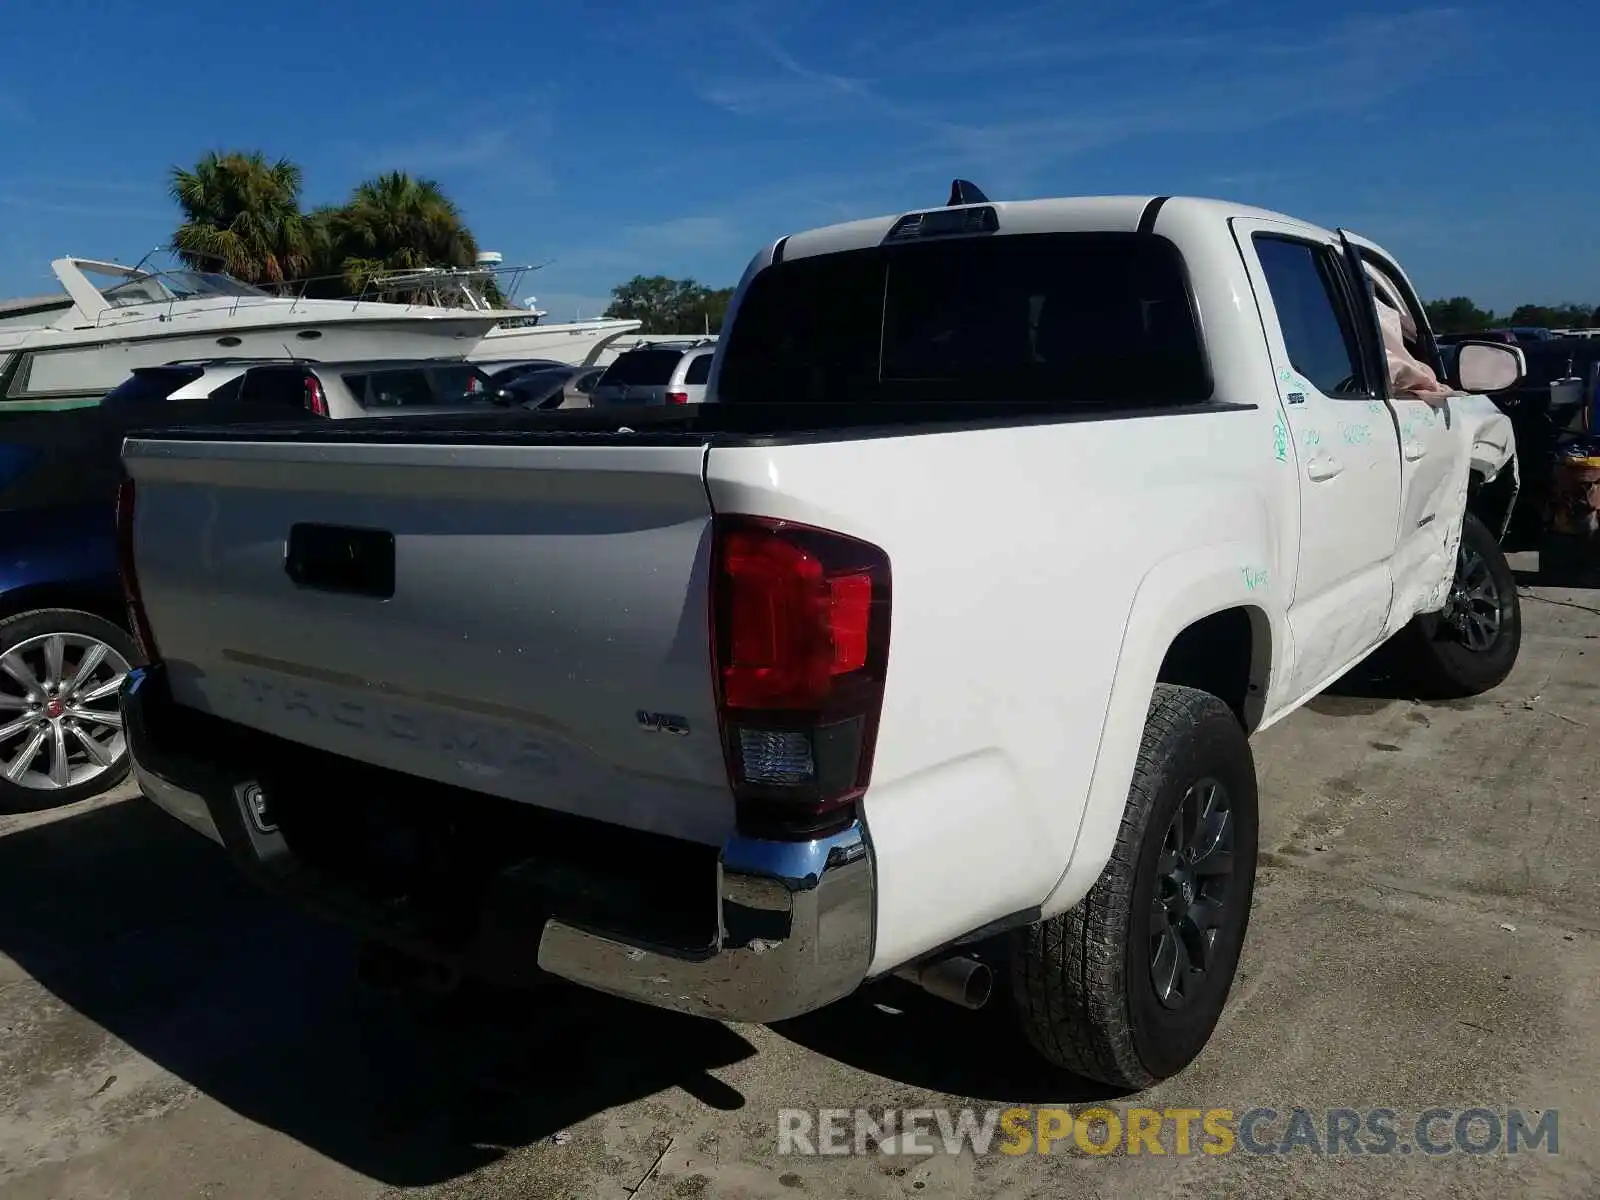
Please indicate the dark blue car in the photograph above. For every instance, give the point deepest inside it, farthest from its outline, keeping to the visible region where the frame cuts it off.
(64, 641)
(64, 646)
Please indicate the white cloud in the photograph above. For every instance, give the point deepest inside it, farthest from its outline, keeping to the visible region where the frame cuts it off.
(1351, 66)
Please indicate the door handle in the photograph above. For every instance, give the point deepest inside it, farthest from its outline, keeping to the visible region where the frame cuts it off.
(1323, 466)
(1414, 450)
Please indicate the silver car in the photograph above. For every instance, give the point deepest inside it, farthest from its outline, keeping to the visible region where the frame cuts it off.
(657, 373)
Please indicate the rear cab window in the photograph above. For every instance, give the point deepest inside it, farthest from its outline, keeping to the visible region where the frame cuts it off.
(1102, 320)
(642, 368)
(152, 385)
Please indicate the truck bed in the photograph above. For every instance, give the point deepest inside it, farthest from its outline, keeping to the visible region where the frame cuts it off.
(709, 424)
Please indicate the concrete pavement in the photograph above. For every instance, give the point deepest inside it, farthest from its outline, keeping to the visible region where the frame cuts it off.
(1426, 933)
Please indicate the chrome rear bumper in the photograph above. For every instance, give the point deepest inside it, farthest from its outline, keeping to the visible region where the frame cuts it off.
(794, 920)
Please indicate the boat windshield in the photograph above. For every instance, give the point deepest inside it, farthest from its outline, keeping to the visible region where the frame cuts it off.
(190, 285)
(121, 290)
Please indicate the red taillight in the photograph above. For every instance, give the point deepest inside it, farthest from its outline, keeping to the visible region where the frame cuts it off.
(800, 644)
(677, 397)
(138, 622)
(316, 401)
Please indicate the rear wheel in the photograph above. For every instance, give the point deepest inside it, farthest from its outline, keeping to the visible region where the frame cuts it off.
(1471, 644)
(61, 737)
(1127, 987)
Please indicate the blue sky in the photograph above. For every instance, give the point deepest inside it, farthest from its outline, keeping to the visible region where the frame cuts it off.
(635, 138)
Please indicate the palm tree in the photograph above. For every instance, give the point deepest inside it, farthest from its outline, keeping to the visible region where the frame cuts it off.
(397, 222)
(242, 214)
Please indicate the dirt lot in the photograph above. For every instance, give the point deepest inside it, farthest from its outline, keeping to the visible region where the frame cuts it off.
(1427, 933)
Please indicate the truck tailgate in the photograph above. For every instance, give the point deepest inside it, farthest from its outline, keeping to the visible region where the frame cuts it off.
(544, 637)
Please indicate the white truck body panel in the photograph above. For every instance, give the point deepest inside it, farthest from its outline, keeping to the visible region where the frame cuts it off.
(513, 565)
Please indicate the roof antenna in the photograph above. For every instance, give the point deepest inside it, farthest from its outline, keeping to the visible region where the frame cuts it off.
(964, 191)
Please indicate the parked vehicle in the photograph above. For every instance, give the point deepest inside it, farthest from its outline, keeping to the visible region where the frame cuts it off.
(551, 387)
(657, 373)
(929, 645)
(64, 646)
(507, 368)
(339, 390)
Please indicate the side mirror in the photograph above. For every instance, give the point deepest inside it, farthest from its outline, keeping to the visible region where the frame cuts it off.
(1482, 367)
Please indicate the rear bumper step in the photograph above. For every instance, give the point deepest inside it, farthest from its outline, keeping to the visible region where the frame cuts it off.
(787, 929)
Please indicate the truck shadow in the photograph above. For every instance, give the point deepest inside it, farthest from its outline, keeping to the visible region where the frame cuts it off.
(895, 1030)
(1367, 688)
(141, 927)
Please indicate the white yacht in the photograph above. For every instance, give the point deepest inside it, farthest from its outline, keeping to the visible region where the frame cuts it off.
(521, 332)
(71, 348)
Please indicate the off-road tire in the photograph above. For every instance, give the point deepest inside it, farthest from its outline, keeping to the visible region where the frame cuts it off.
(1082, 981)
(1434, 662)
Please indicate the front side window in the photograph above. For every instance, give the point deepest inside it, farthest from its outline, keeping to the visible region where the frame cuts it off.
(1318, 332)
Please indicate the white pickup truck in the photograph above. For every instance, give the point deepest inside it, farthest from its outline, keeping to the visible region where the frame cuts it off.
(929, 646)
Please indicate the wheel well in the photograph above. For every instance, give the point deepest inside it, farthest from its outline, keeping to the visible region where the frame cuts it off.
(1228, 654)
(88, 598)
(1492, 501)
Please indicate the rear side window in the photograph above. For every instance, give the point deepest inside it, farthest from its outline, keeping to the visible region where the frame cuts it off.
(229, 391)
(1317, 328)
(391, 389)
(642, 368)
(150, 387)
(699, 369)
(281, 387)
(1093, 319)
(457, 382)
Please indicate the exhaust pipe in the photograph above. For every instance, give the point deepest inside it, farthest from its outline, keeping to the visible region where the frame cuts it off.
(963, 981)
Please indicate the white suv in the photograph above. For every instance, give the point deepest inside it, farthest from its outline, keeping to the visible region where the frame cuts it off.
(657, 373)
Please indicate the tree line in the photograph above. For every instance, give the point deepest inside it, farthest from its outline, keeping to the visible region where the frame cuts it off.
(1460, 315)
(670, 305)
(242, 215)
(684, 306)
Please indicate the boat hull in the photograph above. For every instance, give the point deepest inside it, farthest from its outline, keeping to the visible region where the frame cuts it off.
(579, 344)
